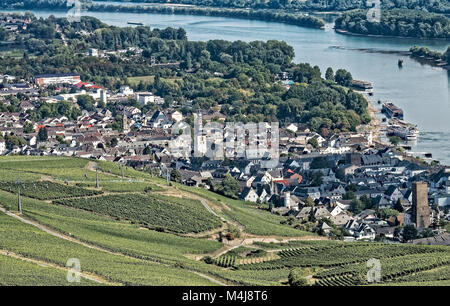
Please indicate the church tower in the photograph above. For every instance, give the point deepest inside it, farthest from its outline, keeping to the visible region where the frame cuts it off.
(421, 210)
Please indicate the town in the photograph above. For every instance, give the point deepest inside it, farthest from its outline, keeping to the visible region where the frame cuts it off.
(347, 186)
(224, 143)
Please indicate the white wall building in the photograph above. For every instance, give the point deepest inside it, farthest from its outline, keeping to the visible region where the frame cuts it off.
(126, 90)
(2, 146)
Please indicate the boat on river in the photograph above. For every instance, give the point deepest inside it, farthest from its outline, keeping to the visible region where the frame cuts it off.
(392, 111)
(361, 85)
(135, 23)
(402, 129)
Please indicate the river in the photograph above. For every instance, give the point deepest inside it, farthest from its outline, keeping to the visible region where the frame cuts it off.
(421, 90)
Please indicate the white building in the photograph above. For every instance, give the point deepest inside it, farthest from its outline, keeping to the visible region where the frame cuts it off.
(145, 98)
(126, 90)
(292, 127)
(103, 96)
(61, 78)
(176, 116)
(2, 146)
(93, 52)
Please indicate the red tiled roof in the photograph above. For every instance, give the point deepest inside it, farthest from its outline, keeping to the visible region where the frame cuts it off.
(87, 85)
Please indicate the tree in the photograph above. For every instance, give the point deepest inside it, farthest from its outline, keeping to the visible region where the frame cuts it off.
(12, 141)
(313, 142)
(367, 202)
(343, 77)
(349, 195)
(340, 174)
(446, 55)
(409, 232)
(395, 140)
(43, 134)
(175, 176)
(28, 128)
(428, 232)
(296, 278)
(3, 34)
(230, 187)
(329, 74)
(147, 150)
(114, 142)
(86, 102)
(309, 202)
(61, 139)
(208, 260)
(317, 179)
(356, 206)
(386, 213)
(398, 206)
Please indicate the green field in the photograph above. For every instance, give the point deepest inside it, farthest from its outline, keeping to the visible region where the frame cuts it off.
(17, 272)
(255, 221)
(31, 242)
(164, 213)
(133, 231)
(148, 80)
(47, 190)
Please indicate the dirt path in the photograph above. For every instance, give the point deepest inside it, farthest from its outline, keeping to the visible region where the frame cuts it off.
(89, 276)
(211, 279)
(249, 241)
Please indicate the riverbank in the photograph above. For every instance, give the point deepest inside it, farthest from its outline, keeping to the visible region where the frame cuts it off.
(375, 126)
(301, 20)
(375, 123)
(434, 62)
(345, 32)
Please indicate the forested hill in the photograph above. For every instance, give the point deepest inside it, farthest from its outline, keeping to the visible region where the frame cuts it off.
(400, 23)
(437, 6)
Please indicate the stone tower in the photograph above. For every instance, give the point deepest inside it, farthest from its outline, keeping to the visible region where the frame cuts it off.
(421, 210)
(126, 127)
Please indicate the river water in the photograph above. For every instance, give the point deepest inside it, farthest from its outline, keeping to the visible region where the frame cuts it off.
(421, 90)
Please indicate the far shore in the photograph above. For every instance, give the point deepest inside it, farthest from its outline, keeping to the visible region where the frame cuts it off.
(345, 32)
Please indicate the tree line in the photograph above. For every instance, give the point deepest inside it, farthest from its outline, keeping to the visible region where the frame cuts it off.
(401, 23)
(437, 6)
(426, 52)
(282, 16)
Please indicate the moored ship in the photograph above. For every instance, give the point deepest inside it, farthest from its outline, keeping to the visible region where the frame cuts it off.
(362, 85)
(392, 111)
(135, 23)
(402, 129)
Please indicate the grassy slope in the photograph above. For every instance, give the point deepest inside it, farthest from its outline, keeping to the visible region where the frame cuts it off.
(109, 233)
(255, 221)
(31, 242)
(16, 272)
(127, 238)
(152, 210)
(115, 235)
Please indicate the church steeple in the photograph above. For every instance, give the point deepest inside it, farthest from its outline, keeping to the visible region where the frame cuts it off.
(126, 127)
